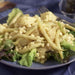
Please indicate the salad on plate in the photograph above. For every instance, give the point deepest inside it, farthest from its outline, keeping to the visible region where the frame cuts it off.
(26, 39)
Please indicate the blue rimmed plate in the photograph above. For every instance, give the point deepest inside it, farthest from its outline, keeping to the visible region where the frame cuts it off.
(50, 64)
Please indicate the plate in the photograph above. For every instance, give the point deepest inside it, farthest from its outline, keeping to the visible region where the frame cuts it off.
(50, 64)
